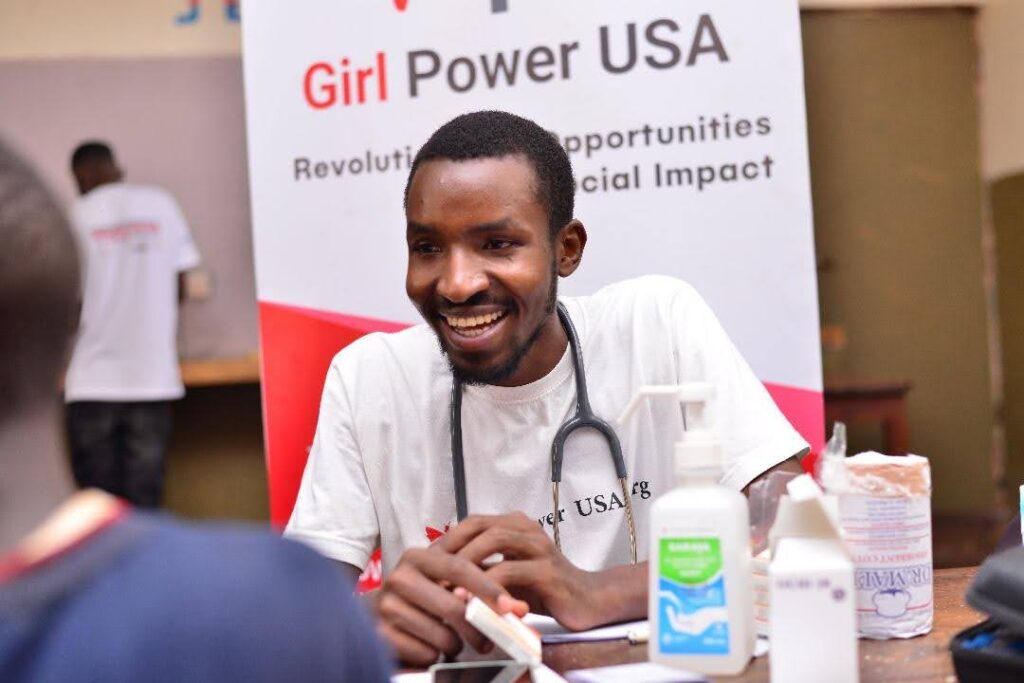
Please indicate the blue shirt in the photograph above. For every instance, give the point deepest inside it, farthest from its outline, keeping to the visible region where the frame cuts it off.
(151, 599)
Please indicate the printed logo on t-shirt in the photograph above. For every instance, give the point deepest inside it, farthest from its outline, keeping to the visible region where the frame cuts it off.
(136, 235)
(582, 507)
(597, 504)
(124, 231)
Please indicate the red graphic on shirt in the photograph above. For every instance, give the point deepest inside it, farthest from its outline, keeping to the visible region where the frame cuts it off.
(400, 5)
(433, 534)
(119, 233)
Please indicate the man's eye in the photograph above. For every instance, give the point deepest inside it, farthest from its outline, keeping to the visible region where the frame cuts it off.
(499, 244)
(425, 248)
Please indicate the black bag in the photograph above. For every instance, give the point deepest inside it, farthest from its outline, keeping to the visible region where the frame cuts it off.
(993, 651)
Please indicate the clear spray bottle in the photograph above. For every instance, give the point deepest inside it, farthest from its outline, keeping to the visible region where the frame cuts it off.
(700, 597)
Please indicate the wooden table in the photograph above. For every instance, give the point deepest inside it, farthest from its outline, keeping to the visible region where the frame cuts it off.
(925, 658)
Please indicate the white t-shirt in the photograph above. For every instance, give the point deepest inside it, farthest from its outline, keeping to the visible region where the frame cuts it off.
(380, 470)
(134, 241)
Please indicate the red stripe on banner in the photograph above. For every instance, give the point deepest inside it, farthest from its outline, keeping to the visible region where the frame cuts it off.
(805, 410)
(297, 345)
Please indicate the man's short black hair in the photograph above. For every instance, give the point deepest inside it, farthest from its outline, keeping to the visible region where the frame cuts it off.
(39, 289)
(489, 134)
(92, 151)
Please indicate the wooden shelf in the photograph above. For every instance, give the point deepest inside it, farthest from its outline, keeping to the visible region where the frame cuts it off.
(200, 372)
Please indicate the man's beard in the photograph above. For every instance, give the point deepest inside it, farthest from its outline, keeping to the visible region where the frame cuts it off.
(509, 367)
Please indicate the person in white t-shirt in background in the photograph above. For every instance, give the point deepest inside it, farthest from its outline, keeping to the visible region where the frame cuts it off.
(135, 247)
(490, 228)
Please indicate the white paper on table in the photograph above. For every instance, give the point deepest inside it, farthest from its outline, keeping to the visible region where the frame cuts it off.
(539, 674)
(552, 632)
(629, 673)
(412, 677)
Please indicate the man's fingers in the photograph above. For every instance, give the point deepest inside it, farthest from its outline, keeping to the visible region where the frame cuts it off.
(422, 579)
(464, 532)
(507, 604)
(452, 611)
(418, 584)
(474, 525)
(458, 571)
(408, 649)
(526, 580)
(511, 542)
(411, 620)
(531, 574)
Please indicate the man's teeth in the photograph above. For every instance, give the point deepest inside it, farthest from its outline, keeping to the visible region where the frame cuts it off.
(468, 324)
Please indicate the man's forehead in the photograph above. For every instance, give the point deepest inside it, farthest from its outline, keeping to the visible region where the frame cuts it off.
(456, 194)
(512, 172)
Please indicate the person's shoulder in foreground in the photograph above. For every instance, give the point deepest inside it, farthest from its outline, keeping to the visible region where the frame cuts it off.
(159, 600)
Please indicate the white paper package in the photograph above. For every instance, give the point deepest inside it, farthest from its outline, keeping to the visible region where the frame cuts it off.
(885, 512)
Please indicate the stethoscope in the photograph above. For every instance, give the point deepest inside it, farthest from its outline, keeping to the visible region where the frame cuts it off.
(583, 418)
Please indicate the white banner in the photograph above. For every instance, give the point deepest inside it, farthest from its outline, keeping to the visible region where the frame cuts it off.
(684, 121)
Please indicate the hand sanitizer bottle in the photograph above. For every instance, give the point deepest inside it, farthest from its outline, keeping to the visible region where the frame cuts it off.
(700, 597)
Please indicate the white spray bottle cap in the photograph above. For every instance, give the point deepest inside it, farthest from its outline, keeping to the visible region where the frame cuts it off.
(699, 449)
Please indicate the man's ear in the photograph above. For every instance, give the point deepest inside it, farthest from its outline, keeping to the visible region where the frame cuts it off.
(569, 245)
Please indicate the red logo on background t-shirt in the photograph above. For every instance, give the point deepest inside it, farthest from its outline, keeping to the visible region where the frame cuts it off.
(433, 534)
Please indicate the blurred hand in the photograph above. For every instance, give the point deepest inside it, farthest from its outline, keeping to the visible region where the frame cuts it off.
(421, 617)
(532, 568)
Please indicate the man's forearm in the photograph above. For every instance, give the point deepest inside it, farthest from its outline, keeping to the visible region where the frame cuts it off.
(791, 464)
(622, 593)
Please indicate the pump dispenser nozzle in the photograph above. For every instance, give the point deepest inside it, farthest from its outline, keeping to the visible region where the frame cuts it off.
(698, 449)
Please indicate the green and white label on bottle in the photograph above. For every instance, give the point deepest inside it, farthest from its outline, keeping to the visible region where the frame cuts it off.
(692, 614)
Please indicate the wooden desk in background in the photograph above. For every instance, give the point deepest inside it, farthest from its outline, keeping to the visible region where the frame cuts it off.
(880, 401)
(219, 371)
(925, 658)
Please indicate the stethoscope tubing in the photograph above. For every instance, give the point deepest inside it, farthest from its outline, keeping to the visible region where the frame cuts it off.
(583, 418)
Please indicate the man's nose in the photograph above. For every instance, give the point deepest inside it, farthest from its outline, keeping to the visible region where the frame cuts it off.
(462, 278)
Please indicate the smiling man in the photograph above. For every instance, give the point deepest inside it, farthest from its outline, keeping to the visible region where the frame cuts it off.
(490, 229)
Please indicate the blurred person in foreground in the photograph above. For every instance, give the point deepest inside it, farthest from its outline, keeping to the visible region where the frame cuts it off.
(124, 371)
(93, 591)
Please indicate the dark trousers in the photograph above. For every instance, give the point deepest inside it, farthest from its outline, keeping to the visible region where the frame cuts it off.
(120, 447)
